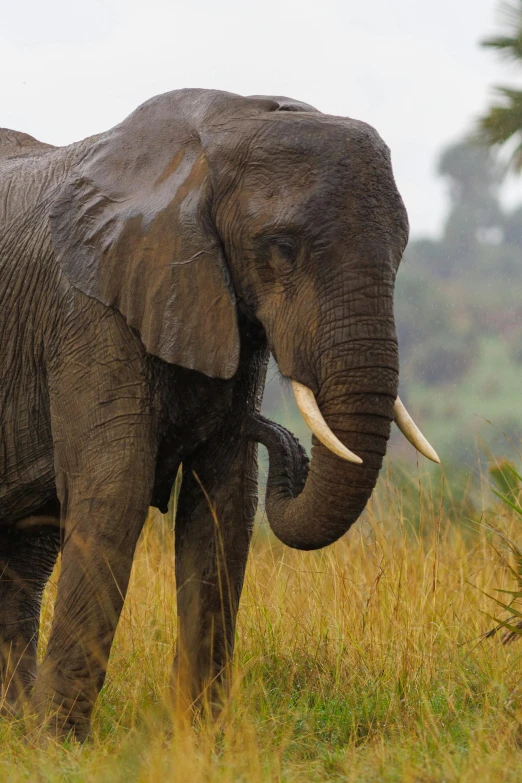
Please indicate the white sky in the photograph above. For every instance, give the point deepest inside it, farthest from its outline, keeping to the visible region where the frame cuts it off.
(412, 68)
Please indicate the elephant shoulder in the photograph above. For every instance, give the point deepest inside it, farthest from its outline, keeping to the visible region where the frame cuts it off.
(14, 144)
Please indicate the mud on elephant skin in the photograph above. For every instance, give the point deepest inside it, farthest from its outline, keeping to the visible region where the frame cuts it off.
(145, 274)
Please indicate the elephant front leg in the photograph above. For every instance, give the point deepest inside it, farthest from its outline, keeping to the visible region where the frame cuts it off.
(105, 445)
(106, 504)
(100, 538)
(214, 524)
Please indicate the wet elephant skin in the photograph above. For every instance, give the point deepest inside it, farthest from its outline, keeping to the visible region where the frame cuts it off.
(145, 274)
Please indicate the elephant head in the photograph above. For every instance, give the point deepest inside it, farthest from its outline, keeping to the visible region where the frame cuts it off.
(203, 203)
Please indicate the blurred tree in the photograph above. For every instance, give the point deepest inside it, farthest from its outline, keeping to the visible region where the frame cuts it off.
(474, 175)
(503, 120)
(475, 215)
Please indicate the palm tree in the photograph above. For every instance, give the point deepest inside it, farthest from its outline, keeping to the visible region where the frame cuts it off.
(503, 120)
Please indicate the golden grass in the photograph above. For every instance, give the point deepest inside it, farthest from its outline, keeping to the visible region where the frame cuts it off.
(357, 663)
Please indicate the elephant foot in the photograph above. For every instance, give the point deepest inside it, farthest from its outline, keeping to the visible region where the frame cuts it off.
(51, 722)
(195, 698)
(50, 727)
(11, 710)
(61, 706)
(15, 700)
(45, 721)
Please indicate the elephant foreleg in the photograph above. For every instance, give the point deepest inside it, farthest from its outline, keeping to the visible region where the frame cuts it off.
(214, 523)
(100, 537)
(105, 448)
(28, 552)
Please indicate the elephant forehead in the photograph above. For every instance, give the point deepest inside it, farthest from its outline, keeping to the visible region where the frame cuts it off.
(264, 193)
(302, 159)
(317, 137)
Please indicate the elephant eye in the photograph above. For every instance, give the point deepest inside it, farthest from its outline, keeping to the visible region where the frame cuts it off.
(287, 247)
(280, 252)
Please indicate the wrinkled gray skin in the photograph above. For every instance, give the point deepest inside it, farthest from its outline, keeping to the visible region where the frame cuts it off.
(145, 273)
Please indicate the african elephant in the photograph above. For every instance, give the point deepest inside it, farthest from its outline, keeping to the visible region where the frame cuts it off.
(146, 273)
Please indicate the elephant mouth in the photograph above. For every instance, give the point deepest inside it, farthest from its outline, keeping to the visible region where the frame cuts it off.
(313, 417)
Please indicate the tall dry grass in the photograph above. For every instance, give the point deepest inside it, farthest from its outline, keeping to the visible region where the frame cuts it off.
(361, 662)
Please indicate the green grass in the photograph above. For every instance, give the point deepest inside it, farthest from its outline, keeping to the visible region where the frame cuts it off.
(361, 662)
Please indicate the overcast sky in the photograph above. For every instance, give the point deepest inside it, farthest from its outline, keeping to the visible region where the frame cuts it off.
(412, 68)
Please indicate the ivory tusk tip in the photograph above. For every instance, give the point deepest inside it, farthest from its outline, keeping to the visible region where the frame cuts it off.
(431, 454)
(410, 430)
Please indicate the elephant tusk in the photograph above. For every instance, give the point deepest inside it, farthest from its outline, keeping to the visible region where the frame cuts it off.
(412, 433)
(310, 412)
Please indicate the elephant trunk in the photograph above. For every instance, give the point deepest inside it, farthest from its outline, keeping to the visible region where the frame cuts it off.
(357, 404)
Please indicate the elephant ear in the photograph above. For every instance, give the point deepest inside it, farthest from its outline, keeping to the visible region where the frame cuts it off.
(132, 229)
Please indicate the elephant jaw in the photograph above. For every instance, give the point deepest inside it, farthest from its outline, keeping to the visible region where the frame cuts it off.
(313, 417)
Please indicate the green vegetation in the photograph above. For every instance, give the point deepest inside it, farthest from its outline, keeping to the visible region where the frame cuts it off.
(509, 482)
(503, 121)
(459, 316)
(362, 662)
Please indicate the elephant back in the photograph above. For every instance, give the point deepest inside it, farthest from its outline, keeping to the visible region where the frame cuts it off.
(14, 144)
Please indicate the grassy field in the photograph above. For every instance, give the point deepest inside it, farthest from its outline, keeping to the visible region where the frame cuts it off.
(361, 662)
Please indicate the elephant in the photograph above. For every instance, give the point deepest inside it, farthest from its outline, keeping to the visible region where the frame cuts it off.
(146, 275)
